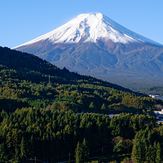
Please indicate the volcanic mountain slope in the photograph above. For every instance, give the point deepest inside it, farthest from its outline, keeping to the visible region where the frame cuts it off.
(93, 44)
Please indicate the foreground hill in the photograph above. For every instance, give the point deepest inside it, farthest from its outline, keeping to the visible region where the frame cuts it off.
(93, 44)
(27, 81)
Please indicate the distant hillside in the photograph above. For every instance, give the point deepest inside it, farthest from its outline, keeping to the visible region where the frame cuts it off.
(23, 62)
(27, 81)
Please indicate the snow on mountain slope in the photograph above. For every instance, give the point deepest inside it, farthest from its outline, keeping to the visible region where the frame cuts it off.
(89, 28)
(93, 44)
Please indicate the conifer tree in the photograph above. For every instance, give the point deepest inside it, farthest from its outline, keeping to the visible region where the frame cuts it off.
(81, 152)
(91, 106)
(103, 107)
(136, 152)
(158, 153)
(85, 150)
(78, 153)
(22, 149)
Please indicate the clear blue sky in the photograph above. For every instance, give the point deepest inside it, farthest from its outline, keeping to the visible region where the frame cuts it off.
(23, 20)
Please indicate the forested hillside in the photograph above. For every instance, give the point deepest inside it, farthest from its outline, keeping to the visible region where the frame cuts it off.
(27, 81)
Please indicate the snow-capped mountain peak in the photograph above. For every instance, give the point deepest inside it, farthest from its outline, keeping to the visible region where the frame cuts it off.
(93, 44)
(90, 27)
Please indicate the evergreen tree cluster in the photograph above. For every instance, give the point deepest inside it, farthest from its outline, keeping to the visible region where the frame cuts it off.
(146, 147)
(54, 135)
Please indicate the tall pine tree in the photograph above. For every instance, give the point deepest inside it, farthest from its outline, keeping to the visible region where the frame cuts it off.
(78, 153)
(158, 153)
(81, 152)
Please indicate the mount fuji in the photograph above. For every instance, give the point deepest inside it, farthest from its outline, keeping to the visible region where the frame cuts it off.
(93, 44)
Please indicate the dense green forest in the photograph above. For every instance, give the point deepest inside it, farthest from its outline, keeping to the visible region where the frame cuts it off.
(27, 81)
(53, 136)
(51, 115)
